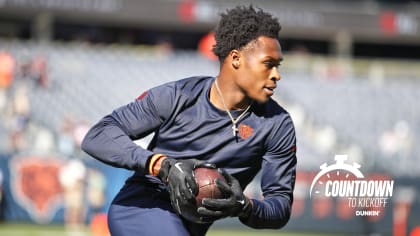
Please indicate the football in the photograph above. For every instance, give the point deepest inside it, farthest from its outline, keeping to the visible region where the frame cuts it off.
(207, 188)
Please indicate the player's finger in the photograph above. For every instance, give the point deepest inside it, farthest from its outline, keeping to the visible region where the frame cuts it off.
(206, 165)
(221, 171)
(210, 213)
(189, 188)
(177, 207)
(216, 204)
(229, 178)
(224, 187)
(235, 186)
(174, 201)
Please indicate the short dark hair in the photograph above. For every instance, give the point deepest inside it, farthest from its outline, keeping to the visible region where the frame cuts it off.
(241, 25)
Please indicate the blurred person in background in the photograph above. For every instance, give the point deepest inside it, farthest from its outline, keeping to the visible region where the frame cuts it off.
(37, 70)
(228, 121)
(21, 116)
(7, 68)
(73, 178)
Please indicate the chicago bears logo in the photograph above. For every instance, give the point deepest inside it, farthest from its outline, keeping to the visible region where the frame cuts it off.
(36, 186)
(245, 131)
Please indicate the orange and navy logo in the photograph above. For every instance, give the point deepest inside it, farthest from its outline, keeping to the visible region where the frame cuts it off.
(36, 187)
(245, 131)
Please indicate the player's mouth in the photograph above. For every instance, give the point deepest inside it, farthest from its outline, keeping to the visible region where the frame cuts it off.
(269, 90)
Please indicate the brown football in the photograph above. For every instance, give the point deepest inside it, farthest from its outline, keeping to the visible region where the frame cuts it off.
(207, 188)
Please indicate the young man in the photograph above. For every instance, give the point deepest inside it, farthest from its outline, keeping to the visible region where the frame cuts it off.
(228, 121)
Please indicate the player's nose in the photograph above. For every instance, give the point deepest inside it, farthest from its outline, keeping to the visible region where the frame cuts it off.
(275, 74)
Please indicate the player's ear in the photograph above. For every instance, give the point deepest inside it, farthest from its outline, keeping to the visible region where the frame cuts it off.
(235, 56)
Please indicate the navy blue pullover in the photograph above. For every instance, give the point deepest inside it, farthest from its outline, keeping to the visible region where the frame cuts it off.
(187, 125)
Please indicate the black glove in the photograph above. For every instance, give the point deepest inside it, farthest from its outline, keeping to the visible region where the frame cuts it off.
(179, 177)
(236, 205)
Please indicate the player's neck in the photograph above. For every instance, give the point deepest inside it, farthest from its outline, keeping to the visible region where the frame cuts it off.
(232, 96)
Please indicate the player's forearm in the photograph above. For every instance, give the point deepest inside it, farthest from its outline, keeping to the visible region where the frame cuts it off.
(270, 213)
(108, 143)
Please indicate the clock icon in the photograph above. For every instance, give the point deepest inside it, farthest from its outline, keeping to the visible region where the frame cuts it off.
(340, 169)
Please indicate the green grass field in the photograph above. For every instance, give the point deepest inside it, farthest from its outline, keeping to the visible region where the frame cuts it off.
(52, 230)
(251, 232)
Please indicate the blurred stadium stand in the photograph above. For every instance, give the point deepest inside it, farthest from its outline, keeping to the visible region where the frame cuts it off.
(345, 27)
(349, 79)
(87, 82)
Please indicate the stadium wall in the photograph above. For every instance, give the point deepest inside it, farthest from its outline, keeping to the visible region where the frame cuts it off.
(37, 189)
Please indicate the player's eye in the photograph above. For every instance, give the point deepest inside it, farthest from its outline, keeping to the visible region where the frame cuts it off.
(271, 64)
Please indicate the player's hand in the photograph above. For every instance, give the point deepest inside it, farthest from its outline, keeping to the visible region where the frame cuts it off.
(235, 205)
(179, 177)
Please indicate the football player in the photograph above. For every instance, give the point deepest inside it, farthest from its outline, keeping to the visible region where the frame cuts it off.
(227, 121)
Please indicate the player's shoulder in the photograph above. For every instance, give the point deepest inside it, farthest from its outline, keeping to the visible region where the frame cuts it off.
(276, 121)
(271, 110)
(184, 91)
(273, 116)
(178, 88)
(193, 83)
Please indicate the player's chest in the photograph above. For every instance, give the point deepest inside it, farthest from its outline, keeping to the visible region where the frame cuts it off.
(196, 129)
